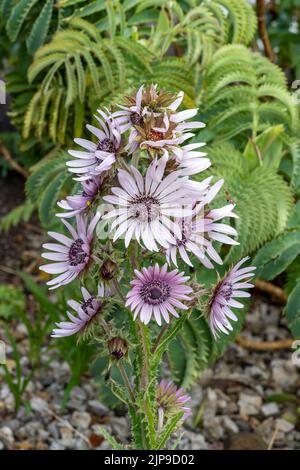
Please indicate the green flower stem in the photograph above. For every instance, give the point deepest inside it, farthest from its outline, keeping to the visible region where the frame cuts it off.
(143, 334)
(118, 289)
(122, 370)
(143, 372)
(127, 383)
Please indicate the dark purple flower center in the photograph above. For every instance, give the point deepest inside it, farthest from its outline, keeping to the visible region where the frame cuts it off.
(117, 354)
(76, 254)
(144, 208)
(226, 291)
(136, 119)
(155, 292)
(87, 304)
(106, 145)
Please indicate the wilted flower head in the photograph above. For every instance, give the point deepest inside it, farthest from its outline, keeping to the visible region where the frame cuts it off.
(199, 231)
(156, 292)
(171, 400)
(146, 102)
(118, 347)
(153, 121)
(100, 156)
(145, 205)
(74, 205)
(71, 255)
(87, 312)
(224, 295)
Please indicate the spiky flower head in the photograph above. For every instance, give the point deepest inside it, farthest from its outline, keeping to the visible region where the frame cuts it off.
(97, 157)
(171, 400)
(117, 347)
(153, 121)
(71, 255)
(87, 312)
(224, 296)
(157, 292)
(83, 201)
(108, 269)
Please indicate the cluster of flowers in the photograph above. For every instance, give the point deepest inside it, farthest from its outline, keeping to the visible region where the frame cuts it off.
(163, 209)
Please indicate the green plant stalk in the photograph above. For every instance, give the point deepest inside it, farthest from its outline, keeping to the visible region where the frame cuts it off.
(140, 372)
(147, 386)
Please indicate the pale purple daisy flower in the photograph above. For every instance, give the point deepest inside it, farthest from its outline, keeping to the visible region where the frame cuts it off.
(200, 230)
(78, 203)
(71, 255)
(156, 292)
(86, 313)
(97, 157)
(145, 205)
(224, 295)
(171, 400)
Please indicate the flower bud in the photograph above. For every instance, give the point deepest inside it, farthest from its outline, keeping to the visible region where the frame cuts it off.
(108, 269)
(117, 347)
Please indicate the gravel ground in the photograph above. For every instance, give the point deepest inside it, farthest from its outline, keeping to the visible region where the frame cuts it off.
(231, 401)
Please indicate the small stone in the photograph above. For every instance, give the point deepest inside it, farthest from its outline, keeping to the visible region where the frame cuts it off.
(246, 441)
(97, 408)
(270, 409)
(53, 429)
(120, 427)
(266, 429)
(13, 424)
(284, 426)
(56, 446)
(249, 404)
(67, 439)
(6, 435)
(196, 441)
(43, 435)
(78, 393)
(39, 405)
(32, 428)
(81, 444)
(81, 419)
(285, 374)
(21, 433)
(230, 425)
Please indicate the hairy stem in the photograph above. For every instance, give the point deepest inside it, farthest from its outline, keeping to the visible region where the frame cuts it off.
(127, 383)
(144, 367)
(121, 369)
(118, 289)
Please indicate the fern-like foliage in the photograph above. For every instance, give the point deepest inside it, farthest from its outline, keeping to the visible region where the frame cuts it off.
(196, 29)
(19, 214)
(81, 70)
(263, 199)
(47, 184)
(244, 93)
(192, 350)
